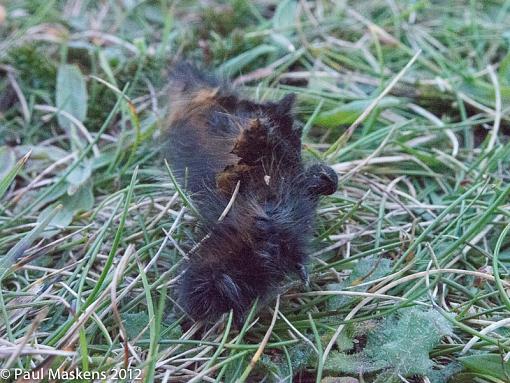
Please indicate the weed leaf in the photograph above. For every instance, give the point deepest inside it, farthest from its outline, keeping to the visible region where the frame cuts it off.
(71, 94)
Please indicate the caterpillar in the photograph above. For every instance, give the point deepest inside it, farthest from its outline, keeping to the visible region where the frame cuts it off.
(241, 163)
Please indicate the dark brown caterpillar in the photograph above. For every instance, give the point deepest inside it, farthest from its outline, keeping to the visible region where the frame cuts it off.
(215, 141)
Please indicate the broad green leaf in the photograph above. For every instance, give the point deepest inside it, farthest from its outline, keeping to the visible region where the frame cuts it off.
(484, 93)
(445, 373)
(301, 355)
(43, 153)
(79, 176)
(283, 41)
(27, 198)
(7, 160)
(8, 260)
(487, 364)
(135, 323)
(285, 16)
(504, 70)
(346, 114)
(399, 344)
(284, 23)
(81, 200)
(71, 94)
(366, 270)
(466, 377)
(338, 362)
(341, 379)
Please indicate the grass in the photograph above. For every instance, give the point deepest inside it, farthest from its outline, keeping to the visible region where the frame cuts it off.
(407, 100)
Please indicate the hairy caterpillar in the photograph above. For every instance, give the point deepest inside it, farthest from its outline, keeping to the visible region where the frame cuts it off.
(217, 142)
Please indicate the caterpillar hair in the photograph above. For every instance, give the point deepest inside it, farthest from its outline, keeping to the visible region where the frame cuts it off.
(216, 142)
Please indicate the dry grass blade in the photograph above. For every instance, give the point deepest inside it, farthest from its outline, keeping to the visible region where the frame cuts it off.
(349, 132)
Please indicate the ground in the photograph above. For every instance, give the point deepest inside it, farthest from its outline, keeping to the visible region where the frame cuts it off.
(407, 100)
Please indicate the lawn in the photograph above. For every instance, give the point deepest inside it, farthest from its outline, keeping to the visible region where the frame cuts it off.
(409, 102)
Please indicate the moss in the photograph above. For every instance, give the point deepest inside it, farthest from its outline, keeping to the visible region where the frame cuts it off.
(35, 69)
